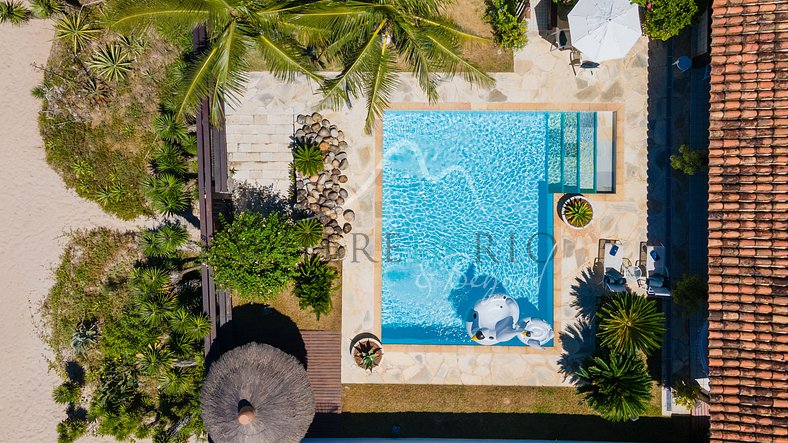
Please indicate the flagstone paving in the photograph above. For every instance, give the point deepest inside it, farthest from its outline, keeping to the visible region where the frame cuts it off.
(258, 132)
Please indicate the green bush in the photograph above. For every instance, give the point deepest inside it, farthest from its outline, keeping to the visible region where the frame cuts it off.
(664, 19)
(616, 386)
(629, 323)
(686, 393)
(168, 193)
(46, 8)
(689, 161)
(164, 241)
(508, 29)
(255, 256)
(314, 282)
(14, 12)
(70, 429)
(691, 292)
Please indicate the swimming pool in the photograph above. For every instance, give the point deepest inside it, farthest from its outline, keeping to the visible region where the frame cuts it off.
(466, 213)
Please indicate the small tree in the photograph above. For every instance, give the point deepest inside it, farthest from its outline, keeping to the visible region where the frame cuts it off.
(629, 322)
(617, 386)
(255, 256)
(689, 161)
(691, 292)
(664, 19)
(508, 29)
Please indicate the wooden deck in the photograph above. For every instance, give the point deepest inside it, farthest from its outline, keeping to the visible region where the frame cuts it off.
(323, 352)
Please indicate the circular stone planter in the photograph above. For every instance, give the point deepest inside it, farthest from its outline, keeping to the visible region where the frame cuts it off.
(366, 343)
(564, 202)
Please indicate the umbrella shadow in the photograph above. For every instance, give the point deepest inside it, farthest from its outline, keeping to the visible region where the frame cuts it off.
(257, 323)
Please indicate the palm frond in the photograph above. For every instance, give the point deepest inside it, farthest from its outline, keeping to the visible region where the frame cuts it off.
(450, 28)
(381, 82)
(125, 15)
(229, 69)
(284, 58)
(452, 62)
(196, 84)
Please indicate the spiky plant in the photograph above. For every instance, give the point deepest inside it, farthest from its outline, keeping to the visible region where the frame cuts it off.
(369, 355)
(154, 359)
(578, 212)
(308, 232)
(76, 29)
(616, 386)
(14, 12)
(167, 193)
(134, 45)
(179, 320)
(168, 159)
(369, 38)
(46, 8)
(307, 159)
(198, 327)
(629, 322)
(174, 380)
(67, 393)
(156, 309)
(85, 336)
(150, 281)
(164, 241)
(235, 29)
(111, 63)
(169, 128)
(314, 281)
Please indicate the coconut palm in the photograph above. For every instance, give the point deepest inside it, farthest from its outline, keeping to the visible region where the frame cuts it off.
(112, 62)
(14, 12)
(77, 29)
(235, 28)
(629, 322)
(368, 38)
(617, 386)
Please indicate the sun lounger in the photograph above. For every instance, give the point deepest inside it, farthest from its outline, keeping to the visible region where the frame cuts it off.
(613, 262)
(657, 279)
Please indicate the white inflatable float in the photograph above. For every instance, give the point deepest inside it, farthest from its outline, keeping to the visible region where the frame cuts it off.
(496, 319)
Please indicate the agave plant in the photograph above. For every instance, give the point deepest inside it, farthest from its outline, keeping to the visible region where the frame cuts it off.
(368, 354)
(370, 39)
(168, 193)
(133, 45)
(308, 232)
(578, 212)
(168, 159)
(314, 281)
(14, 12)
(111, 63)
(629, 322)
(169, 128)
(76, 29)
(307, 159)
(85, 336)
(617, 386)
(46, 8)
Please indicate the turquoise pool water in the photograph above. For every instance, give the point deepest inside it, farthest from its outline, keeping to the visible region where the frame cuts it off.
(466, 213)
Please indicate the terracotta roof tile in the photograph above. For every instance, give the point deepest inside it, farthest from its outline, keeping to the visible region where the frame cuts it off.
(748, 221)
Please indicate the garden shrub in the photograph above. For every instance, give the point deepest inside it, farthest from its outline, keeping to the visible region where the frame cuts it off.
(70, 429)
(617, 386)
(67, 394)
(664, 19)
(255, 256)
(691, 292)
(314, 282)
(508, 29)
(689, 161)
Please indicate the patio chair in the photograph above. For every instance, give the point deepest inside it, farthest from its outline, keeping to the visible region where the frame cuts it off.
(612, 263)
(562, 40)
(652, 256)
(576, 60)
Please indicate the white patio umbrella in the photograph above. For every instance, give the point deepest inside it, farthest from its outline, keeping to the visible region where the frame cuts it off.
(604, 29)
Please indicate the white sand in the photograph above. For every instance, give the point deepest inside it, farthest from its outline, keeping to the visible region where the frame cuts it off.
(35, 210)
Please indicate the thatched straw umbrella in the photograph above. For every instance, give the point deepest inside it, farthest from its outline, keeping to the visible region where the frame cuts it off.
(257, 393)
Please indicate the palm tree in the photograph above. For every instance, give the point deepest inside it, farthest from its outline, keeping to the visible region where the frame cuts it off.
(368, 38)
(629, 323)
(235, 28)
(14, 12)
(617, 386)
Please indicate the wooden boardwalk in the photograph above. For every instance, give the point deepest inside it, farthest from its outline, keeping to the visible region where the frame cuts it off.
(323, 355)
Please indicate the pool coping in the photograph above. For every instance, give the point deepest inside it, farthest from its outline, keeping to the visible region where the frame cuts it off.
(559, 230)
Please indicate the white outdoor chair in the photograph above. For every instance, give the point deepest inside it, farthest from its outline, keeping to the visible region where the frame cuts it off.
(653, 257)
(562, 40)
(612, 264)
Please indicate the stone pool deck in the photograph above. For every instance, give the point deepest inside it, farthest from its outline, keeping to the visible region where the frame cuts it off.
(258, 134)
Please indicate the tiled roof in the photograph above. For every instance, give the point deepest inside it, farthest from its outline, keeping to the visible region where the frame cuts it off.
(748, 221)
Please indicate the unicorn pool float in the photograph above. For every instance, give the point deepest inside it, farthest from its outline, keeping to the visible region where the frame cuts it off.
(496, 319)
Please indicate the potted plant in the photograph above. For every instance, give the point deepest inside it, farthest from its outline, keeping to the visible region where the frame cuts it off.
(367, 352)
(576, 211)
